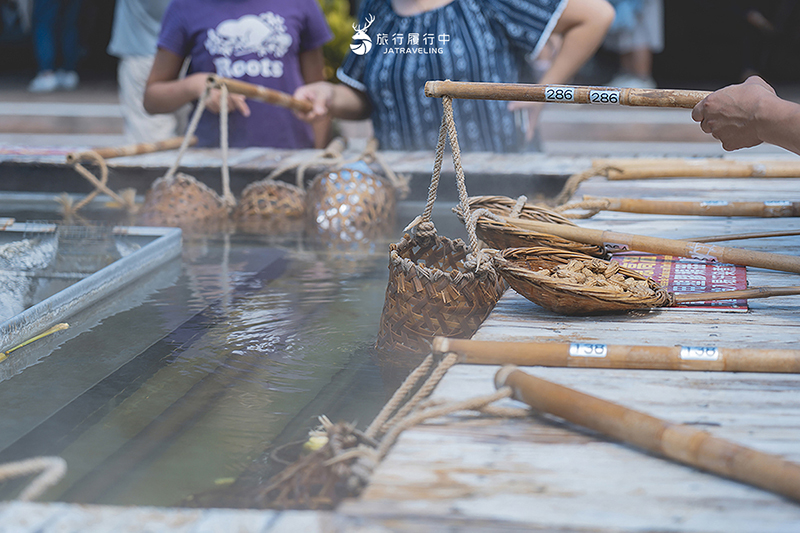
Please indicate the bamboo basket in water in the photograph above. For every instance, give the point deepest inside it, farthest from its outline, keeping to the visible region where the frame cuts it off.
(436, 284)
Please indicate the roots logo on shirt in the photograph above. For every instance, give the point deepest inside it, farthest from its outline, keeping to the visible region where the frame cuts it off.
(264, 34)
(361, 41)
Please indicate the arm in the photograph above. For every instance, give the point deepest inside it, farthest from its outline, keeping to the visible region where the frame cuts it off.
(312, 68)
(748, 114)
(583, 25)
(336, 100)
(165, 92)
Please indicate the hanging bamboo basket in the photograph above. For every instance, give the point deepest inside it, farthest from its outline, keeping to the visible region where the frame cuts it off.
(436, 284)
(182, 201)
(499, 234)
(275, 206)
(177, 199)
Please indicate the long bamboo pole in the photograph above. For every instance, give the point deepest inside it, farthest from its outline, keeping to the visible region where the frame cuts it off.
(678, 442)
(263, 94)
(128, 150)
(742, 236)
(634, 168)
(766, 209)
(567, 94)
(598, 355)
(625, 241)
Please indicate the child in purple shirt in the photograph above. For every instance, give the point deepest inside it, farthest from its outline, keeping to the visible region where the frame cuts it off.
(273, 43)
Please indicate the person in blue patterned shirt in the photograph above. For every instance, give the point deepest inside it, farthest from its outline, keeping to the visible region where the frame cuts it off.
(401, 44)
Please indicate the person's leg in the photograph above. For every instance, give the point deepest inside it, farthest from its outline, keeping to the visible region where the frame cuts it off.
(71, 50)
(45, 15)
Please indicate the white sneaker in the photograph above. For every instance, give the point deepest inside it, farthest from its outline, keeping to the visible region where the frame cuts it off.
(67, 79)
(44, 82)
(631, 81)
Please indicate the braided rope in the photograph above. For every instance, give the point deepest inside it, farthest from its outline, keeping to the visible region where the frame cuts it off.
(227, 196)
(471, 404)
(591, 206)
(424, 391)
(187, 138)
(51, 470)
(402, 391)
(516, 211)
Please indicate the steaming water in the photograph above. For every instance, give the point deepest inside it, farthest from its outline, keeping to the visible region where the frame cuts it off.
(176, 391)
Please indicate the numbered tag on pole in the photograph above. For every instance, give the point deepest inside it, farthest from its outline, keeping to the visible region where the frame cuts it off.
(588, 350)
(559, 94)
(603, 97)
(699, 353)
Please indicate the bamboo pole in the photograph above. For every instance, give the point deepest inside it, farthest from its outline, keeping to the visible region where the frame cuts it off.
(629, 169)
(742, 236)
(596, 355)
(625, 241)
(128, 150)
(743, 294)
(767, 209)
(567, 94)
(263, 94)
(678, 442)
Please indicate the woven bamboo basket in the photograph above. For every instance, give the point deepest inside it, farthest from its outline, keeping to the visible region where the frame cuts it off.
(184, 202)
(435, 284)
(274, 206)
(350, 206)
(500, 235)
(177, 199)
(599, 286)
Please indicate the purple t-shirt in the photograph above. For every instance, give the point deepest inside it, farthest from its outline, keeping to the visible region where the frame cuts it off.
(257, 41)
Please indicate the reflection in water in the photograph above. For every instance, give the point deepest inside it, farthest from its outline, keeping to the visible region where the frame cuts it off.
(270, 329)
(180, 399)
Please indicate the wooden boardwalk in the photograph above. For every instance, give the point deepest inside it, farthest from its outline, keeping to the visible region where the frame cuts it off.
(468, 473)
(481, 473)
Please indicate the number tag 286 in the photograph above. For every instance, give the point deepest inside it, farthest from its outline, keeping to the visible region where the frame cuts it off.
(559, 94)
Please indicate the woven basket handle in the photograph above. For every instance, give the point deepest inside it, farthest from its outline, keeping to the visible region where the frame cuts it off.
(448, 129)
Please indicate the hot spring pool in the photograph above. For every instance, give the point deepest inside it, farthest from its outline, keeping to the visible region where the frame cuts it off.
(176, 389)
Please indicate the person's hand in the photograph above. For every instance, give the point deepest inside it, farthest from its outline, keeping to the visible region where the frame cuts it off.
(236, 102)
(533, 109)
(729, 114)
(320, 94)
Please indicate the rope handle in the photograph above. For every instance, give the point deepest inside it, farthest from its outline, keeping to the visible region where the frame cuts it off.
(565, 94)
(423, 222)
(50, 469)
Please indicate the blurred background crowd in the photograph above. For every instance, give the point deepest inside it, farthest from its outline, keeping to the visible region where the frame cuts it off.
(706, 43)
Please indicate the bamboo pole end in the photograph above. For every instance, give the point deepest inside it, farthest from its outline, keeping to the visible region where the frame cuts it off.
(440, 345)
(503, 374)
(433, 89)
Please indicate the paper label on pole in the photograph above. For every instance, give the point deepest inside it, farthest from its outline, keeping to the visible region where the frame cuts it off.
(696, 353)
(777, 203)
(603, 97)
(588, 350)
(559, 94)
(713, 203)
(612, 247)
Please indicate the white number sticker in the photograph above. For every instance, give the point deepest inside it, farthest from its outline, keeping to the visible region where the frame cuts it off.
(588, 350)
(604, 97)
(714, 203)
(559, 94)
(695, 353)
(777, 203)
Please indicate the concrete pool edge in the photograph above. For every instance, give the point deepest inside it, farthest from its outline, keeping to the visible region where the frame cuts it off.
(102, 283)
